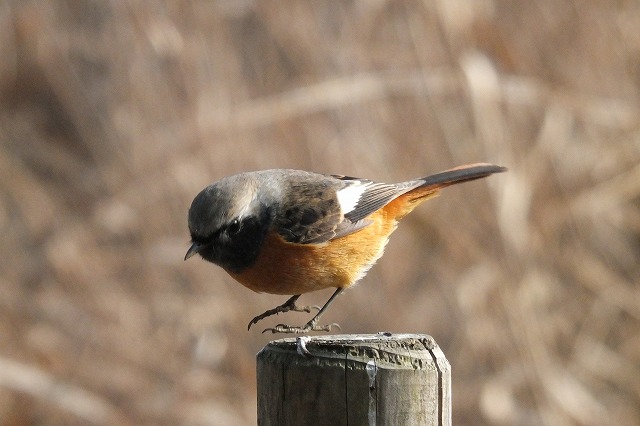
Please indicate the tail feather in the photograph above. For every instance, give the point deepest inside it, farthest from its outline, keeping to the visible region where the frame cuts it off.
(430, 186)
(458, 174)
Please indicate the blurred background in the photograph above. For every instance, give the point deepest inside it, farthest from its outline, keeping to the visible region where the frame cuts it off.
(114, 115)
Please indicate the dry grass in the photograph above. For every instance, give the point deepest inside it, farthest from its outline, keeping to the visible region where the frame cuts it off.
(114, 115)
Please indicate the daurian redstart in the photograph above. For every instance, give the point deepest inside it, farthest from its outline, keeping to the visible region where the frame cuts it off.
(292, 232)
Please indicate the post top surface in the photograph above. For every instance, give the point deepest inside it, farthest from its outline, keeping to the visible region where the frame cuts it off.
(397, 349)
(382, 338)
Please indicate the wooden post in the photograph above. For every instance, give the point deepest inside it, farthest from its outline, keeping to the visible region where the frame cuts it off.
(372, 379)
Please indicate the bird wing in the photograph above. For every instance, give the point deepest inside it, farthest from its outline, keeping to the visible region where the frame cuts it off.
(317, 211)
(367, 197)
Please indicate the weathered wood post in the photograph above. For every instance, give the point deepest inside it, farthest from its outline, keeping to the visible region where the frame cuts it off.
(372, 379)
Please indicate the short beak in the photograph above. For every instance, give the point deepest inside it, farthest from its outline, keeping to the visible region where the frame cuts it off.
(195, 248)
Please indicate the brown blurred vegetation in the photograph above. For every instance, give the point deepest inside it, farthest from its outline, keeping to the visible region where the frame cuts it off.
(113, 115)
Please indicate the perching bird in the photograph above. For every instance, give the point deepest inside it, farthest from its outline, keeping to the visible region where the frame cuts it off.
(292, 232)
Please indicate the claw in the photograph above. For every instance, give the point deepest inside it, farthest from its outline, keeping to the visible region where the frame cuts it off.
(289, 305)
(307, 309)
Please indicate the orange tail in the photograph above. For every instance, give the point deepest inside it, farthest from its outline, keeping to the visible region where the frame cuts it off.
(431, 185)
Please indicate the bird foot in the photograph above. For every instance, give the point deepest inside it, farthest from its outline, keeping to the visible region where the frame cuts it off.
(289, 305)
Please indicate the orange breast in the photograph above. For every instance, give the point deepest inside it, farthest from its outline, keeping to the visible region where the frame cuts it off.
(288, 268)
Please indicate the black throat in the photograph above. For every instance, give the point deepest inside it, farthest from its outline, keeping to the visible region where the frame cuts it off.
(236, 251)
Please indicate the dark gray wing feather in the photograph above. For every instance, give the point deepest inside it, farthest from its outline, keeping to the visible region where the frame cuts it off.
(375, 196)
(311, 213)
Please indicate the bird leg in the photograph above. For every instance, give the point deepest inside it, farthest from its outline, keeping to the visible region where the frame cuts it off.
(311, 325)
(289, 305)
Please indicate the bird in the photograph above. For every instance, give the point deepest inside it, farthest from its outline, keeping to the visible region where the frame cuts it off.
(291, 232)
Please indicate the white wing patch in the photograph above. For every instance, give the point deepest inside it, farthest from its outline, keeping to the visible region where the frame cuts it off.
(349, 196)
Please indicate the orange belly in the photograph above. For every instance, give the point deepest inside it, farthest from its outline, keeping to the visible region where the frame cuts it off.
(288, 268)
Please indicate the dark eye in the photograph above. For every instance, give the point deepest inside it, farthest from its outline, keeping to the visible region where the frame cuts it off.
(234, 227)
